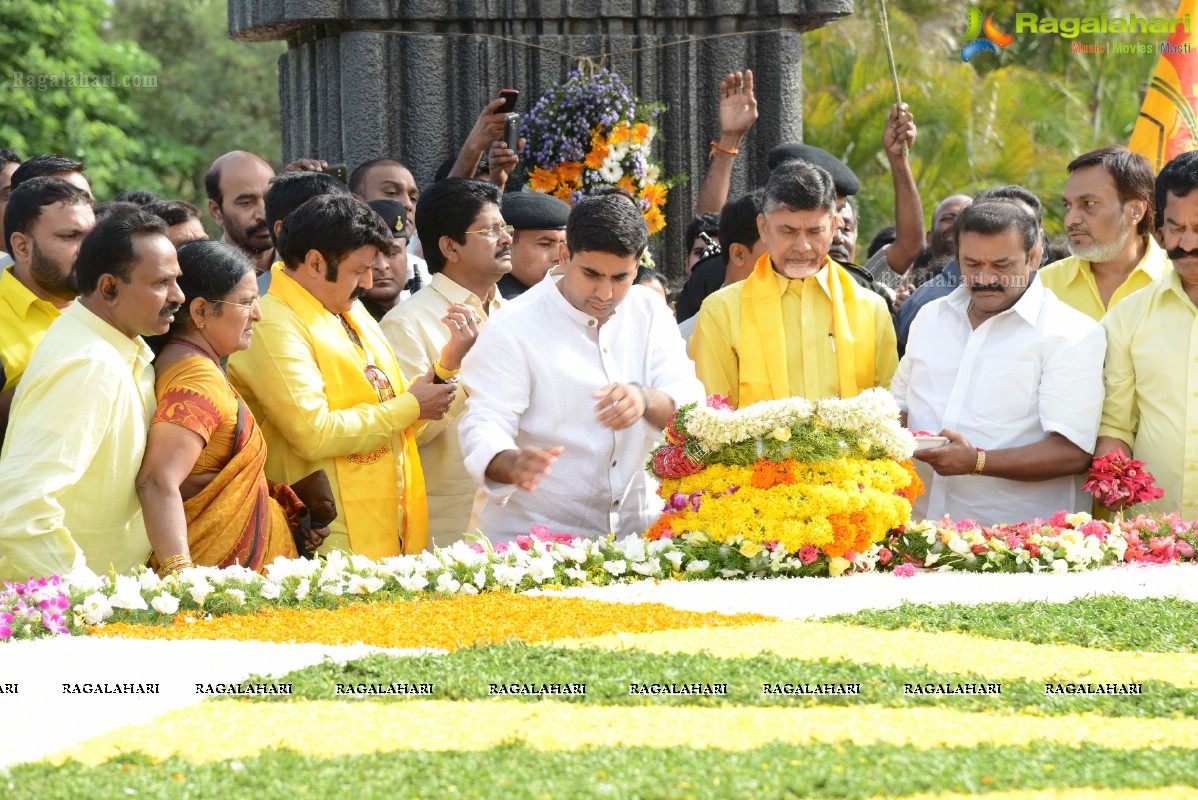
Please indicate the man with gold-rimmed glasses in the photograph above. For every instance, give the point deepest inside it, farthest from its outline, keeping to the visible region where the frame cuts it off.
(325, 386)
(468, 247)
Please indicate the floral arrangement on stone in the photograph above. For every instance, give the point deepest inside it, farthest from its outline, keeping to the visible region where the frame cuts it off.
(589, 133)
(833, 476)
(78, 602)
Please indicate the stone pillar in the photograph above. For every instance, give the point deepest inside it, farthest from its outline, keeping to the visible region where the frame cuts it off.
(405, 79)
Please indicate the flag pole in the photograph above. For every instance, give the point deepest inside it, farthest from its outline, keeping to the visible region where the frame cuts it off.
(898, 95)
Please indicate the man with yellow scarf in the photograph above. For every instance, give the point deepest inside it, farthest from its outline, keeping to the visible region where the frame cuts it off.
(799, 324)
(324, 385)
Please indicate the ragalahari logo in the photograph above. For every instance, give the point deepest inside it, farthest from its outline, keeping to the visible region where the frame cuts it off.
(991, 36)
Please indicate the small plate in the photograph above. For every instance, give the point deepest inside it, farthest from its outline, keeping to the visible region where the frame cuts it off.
(928, 442)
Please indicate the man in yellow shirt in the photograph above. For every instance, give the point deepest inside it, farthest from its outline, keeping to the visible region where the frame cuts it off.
(799, 324)
(1151, 370)
(468, 247)
(45, 222)
(324, 385)
(83, 408)
(1109, 220)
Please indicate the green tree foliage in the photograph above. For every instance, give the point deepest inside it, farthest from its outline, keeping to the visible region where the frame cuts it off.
(215, 94)
(56, 100)
(1020, 117)
(193, 94)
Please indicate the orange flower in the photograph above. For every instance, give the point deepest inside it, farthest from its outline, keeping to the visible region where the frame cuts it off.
(569, 171)
(619, 134)
(542, 180)
(655, 220)
(655, 193)
(659, 529)
(768, 474)
(915, 487)
(598, 154)
(640, 132)
(627, 185)
(449, 623)
(563, 193)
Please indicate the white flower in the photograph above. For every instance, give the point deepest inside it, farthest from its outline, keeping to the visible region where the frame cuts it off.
(611, 171)
(698, 565)
(506, 575)
(1060, 565)
(651, 567)
(127, 594)
(363, 585)
(148, 581)
(958, 545)
(467, 588)
(616, 567)
(540, 569)
(480, 578)
(270, 590)
(165, 603)
(931, 559)
(576, 573)
(633, 547)
(333, 589)
(447, 584)
(301, 591)
(199, 590)
(95, 608)
(236, 595)
(674, 557)
(412, 583)
(652, 171)
(731, 573)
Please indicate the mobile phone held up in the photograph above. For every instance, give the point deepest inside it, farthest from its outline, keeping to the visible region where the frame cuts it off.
(511, 132)
(339, 172)
(510, 96)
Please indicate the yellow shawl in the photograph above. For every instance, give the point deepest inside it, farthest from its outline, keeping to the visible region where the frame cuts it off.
(368, 485)
(763, 345)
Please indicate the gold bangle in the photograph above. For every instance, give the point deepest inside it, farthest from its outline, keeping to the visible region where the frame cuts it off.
(174, 564)
(981, 462)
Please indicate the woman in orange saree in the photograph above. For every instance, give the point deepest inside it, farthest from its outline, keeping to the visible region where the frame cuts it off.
(203, 493)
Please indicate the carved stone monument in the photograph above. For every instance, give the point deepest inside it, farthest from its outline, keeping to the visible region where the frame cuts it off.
(406, 79)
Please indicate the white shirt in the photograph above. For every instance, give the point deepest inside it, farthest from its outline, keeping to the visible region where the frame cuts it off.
(1032, 370)
(529, 380)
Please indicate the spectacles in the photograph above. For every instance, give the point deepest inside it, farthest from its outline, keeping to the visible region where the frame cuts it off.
(381, 383)
(250, 306)
(495, 231)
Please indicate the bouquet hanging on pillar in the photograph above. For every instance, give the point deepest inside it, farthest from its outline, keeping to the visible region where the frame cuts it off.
(590, 132)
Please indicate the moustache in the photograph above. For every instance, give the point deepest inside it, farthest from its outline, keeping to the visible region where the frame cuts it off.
(255, 230)
(358, 294)
(986, 289)
(171, 308)
(506, 250)
(1178, 253)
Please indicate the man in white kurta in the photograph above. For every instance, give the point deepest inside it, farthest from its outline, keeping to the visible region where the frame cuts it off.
(568, 384)
(1013, 377)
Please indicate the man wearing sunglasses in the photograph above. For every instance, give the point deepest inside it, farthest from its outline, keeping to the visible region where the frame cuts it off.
(468, 247)
(324, 385)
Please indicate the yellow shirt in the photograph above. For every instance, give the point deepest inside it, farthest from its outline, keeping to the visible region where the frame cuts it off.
(75, 440)
(1071, 280)
(280, 381)
(1151, 381)
(24, 320)
(417, 334)
(810, 358)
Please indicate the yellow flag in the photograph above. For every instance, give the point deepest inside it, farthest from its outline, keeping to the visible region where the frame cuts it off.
(1168, 121)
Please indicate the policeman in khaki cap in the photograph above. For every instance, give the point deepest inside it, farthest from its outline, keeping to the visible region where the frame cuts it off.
(540, 223)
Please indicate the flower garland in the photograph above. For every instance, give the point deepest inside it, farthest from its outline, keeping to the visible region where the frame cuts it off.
(589, 133)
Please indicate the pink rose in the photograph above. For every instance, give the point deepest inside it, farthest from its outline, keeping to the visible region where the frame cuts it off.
(905, 570)
(1057, 520)
(885, 556)
(807, 554)
(1184, 549)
